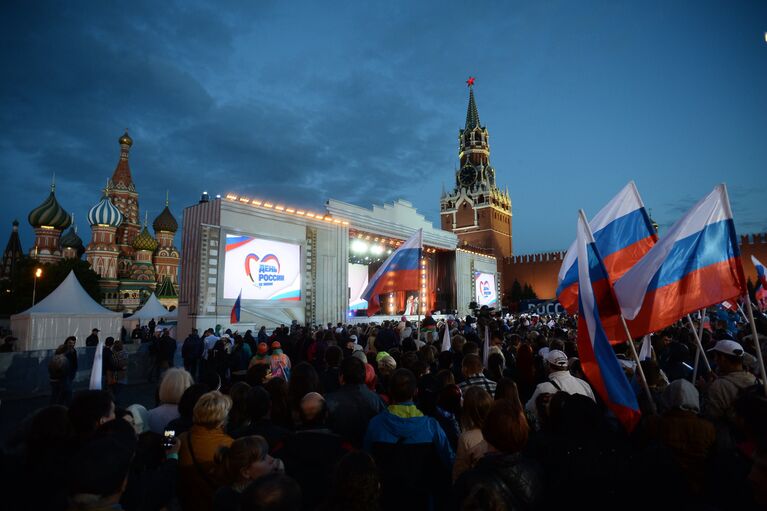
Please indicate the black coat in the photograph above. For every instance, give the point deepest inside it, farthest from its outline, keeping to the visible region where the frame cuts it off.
(512, 480)
(92, 340)
(350, 409)
(310, 457)
(192, 348)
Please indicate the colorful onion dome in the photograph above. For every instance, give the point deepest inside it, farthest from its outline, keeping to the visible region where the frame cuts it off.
(50, 214)
(105, 213)
(125, 139)
(165, 221)
(145, 241)
(70, 239)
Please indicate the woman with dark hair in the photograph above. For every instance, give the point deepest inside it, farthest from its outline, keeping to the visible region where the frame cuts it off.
(357, 486)
(448, 410)
(278, 394)
(239, 464)
(525, 372)
(503, 475)
(242, 408)
(507, 389)
(471, 445)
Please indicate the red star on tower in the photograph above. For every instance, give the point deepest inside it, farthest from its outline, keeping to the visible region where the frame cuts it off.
(470, 81)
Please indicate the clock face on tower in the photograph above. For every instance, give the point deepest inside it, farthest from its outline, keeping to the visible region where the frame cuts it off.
(467, 176)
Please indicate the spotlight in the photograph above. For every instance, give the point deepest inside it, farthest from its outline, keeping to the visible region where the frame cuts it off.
(359, 247)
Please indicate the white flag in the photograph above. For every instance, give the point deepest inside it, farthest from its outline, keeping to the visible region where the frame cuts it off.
(645, 352)
(486, 347)
(446, 338)
(98, 364)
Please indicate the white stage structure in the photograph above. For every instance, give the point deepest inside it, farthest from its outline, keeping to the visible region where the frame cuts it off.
(68, 310)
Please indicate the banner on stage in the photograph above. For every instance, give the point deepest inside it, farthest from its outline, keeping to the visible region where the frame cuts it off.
(263, 269)
(486, 292)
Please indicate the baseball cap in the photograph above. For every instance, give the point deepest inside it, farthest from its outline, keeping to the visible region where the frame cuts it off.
(728, 347)
(556, 358)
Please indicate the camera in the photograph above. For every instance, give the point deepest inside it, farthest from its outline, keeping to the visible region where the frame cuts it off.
(168, 438)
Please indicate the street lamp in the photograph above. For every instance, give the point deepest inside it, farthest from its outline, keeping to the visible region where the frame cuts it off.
(38, 274)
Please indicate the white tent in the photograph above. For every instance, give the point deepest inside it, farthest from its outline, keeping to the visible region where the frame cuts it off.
(68, 310)
(152, 309)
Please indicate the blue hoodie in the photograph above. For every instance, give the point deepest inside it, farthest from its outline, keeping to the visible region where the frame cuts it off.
(405, 422)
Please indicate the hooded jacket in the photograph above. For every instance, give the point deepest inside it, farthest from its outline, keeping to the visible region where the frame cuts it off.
(413, 456)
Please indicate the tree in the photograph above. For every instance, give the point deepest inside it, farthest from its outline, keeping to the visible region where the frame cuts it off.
(516, 291)
(18, 290)
(528, 293)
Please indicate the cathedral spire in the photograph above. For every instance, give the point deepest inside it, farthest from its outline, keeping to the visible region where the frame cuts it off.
(472, 115)
(122, 175)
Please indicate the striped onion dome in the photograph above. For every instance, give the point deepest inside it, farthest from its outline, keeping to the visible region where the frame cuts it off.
(70, 239)
(145, 241)
(50, 214)
(165, 221)
(105, 213)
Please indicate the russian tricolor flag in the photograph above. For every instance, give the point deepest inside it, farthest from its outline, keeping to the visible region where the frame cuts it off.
(400, 272)
(623, 233)
(598, 359)
(696, 265)
(234, 316)
(761, 276)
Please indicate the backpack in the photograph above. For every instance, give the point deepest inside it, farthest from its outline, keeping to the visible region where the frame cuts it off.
(280, 369)
(58, 367)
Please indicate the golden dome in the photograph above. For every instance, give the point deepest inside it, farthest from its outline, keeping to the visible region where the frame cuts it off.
(125, 139)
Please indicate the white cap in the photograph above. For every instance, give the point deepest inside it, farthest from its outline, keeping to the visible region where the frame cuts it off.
(543, 352)
(353, 338)
(728, 347)
(556, 358)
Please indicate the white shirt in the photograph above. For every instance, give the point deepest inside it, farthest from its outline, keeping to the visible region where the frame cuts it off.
(210, 341)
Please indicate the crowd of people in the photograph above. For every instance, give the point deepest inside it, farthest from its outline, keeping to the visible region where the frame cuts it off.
(395, 417)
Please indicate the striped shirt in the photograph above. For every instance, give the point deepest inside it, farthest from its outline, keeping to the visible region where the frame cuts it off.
(478, 380)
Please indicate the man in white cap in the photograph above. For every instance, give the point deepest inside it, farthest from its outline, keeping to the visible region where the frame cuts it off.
(720, 396)
(560, 379)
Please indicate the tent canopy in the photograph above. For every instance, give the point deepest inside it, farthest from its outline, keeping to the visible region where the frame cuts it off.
(68, 310)
(152, 309)
(69, 298)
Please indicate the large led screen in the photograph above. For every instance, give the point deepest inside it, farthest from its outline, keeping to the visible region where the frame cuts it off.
(485, 291)
(358, 281)
(262, 269)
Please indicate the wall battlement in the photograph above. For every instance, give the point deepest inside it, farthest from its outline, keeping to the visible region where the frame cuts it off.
(540, 270)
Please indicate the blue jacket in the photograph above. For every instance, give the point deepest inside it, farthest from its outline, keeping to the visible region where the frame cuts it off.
(405, 424)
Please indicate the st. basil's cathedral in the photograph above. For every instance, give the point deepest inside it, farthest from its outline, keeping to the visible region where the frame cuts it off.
(131, 263)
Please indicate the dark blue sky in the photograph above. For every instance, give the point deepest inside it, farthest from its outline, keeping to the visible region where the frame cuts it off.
(362, 101)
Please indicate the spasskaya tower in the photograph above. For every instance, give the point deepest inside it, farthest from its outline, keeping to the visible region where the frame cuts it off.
(476, 209)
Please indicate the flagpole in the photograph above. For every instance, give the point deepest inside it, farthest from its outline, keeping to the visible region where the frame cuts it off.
(700, 346)
(743, 313)
(755, 335)
(634, 354)
(629, 339)
(698, 349)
